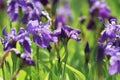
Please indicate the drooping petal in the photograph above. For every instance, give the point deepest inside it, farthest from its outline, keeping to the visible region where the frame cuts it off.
(74, 35)
(42, 41)
(113, 69)
(71, 33)
(28, 61)
(26, 46)
(8, 45)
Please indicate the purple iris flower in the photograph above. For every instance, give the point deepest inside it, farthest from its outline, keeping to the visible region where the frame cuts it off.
(64, 31)
(61, 29)
(65, 11)
(31, 10)
(12, 38)
(111, 30)
(13, 10)
(98, 9)
(42, 35)
(22, 37)
(113, 50)
(111, 42)
(101, 8)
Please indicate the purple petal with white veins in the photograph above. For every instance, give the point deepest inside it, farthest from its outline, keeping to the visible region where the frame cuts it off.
(42, 41)
(26, 46)
(74, 35)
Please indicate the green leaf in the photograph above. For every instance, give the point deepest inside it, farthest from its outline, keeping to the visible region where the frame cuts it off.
(21, 75)
(75, 71)
(47, 77)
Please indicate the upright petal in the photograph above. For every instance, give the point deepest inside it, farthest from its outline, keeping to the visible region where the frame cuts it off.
(4, 32)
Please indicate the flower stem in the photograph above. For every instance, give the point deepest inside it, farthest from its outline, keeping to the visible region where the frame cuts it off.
(3, 72)
(15, 74)
(5, 54)
(58, 58)
(65, 60)
(37, 61)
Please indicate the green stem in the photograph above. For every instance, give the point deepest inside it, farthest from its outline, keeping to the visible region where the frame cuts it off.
(17, 71)
(3, 72)
(15, 74)
(65, 60)
(58, 58)
(15, 63)
(58, 54)
(37, 61)
(5, 54)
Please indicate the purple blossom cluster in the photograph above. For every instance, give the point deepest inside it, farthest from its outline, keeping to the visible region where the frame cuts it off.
(110, 41)
(64, 31)
(98, 9)
(31, 10)
(41, 32)
(22, 37)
